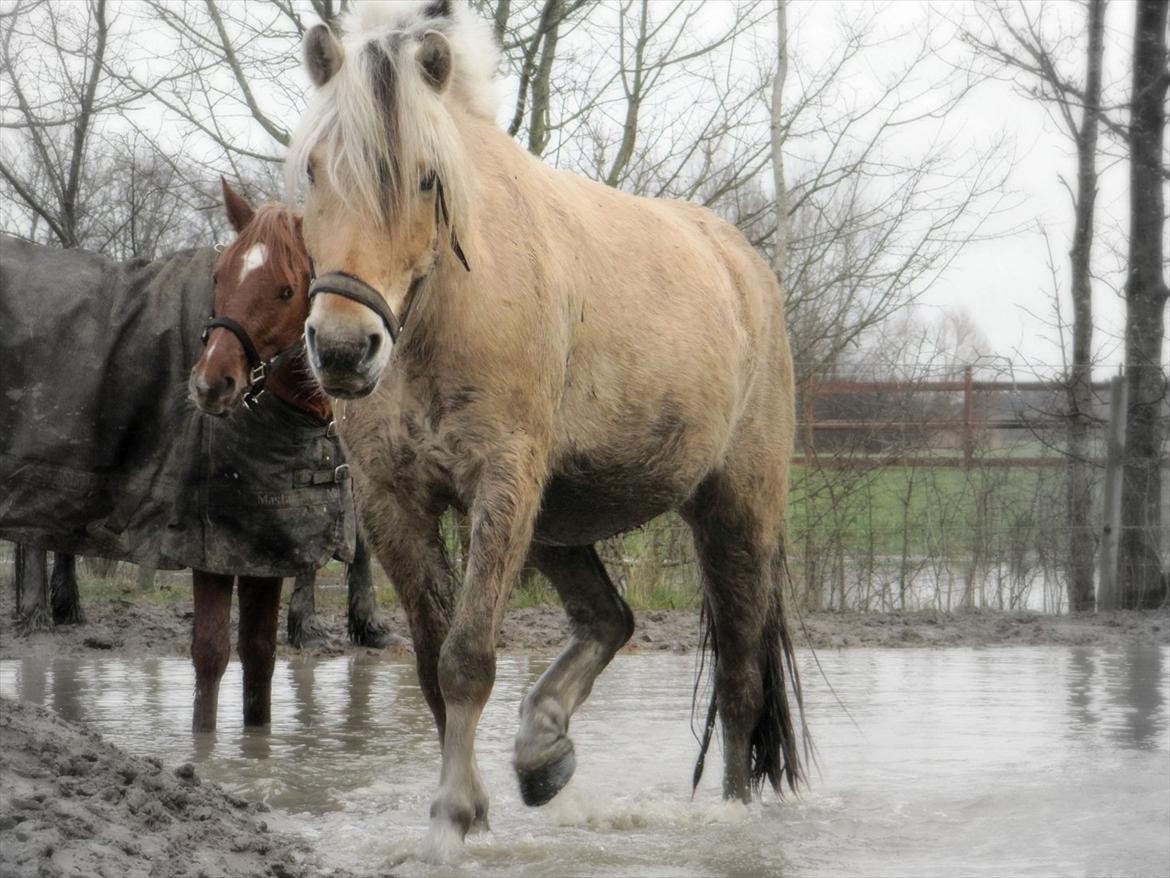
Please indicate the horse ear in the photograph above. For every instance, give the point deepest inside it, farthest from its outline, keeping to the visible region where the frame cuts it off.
(239, 212)
(323, 54)
(434, 56)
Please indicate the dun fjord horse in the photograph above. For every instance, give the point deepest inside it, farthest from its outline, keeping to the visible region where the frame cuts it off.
(562, 361)
(253, 345)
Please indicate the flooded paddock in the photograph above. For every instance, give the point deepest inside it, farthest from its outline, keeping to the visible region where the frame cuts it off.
(1030, 760)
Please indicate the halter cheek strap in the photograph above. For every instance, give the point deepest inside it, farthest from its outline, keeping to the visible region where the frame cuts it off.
(258, 369)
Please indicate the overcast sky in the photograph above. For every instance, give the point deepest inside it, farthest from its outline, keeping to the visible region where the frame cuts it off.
(1006, 283)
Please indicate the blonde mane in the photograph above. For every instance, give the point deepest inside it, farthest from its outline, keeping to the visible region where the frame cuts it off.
(379, 121)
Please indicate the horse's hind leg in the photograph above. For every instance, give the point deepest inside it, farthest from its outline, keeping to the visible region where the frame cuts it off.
(32, 589)
(259, 618)
(304, 628)
(737, 532)
(63, 591)
(211, 643)
(600, 623)
(362, 622)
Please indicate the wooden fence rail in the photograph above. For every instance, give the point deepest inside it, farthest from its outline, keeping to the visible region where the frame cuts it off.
(966, 424)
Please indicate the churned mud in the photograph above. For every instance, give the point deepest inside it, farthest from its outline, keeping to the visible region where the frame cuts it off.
(73, 804)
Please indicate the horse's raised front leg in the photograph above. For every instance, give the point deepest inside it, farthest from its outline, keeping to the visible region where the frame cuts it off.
(211, 643)
(600, 623)
(63, 591)
(365, 629)
(259, 617)
(502, 518)
(304, 628)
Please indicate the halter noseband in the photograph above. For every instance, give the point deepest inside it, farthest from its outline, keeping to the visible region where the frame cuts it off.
(258, 369)
(348, 286)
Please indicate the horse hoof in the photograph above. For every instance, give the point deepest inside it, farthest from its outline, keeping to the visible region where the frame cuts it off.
(376, 638)
(539, 785)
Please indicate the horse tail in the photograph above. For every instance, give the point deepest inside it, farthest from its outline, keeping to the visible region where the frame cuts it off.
(775, 754)
(708, 649)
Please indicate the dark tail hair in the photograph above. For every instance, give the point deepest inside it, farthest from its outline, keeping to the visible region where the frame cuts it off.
(774, 751)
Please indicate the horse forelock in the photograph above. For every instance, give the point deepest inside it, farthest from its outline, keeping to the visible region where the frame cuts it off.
(377, 123)
(274, 226)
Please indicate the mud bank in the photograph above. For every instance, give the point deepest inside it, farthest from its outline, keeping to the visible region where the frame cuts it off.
(73, 804)
(123, 627)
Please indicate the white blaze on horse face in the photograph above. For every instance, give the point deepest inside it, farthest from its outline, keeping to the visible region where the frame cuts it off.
(253, 259)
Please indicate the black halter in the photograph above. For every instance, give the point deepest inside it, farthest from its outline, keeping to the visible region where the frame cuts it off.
(348, 286)
(258, 369)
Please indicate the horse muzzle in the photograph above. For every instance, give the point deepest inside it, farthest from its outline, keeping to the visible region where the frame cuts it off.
(347, 365)
(214, 397)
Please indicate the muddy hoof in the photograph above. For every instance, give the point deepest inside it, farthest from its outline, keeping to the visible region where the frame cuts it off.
(35, 621)
(309, 635)
(309, 641)
(374, 638)
(539, 785)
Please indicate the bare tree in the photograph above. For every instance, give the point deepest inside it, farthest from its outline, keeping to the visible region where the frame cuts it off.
(73, 173)
(780, 252)
(1142, 580)
(1012, 39)
(51, 61)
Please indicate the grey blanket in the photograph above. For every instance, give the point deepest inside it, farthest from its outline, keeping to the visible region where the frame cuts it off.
(101, 452)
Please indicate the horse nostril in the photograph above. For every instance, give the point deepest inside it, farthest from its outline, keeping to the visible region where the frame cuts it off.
(374, 345)
(229, 383)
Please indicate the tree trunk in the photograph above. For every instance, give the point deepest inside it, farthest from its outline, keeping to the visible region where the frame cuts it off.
(1141, 579)
(1080, 393)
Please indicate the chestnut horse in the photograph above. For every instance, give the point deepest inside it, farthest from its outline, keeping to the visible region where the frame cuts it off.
(253, 345)
(559, 359)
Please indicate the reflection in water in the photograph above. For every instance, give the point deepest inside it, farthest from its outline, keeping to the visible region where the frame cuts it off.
(1031, 760)
(1082, 668)
(1143, 699)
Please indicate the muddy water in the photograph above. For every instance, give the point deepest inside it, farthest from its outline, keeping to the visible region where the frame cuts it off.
(1047, 760)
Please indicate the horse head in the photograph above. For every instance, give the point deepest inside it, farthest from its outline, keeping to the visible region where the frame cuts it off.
(261, 301)
(387, 179)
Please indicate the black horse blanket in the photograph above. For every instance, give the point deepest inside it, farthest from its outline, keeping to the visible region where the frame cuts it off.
(102, 453)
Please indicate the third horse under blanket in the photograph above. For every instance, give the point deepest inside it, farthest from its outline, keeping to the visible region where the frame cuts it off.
(101, 452)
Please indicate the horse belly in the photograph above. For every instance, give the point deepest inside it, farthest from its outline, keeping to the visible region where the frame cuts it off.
(579, 510)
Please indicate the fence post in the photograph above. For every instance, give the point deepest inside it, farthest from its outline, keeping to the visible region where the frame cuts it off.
(812, 589)
(1111, 501)
(968, 416)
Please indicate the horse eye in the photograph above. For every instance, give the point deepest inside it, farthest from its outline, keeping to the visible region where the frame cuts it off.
(427, 183)
(286, 293)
